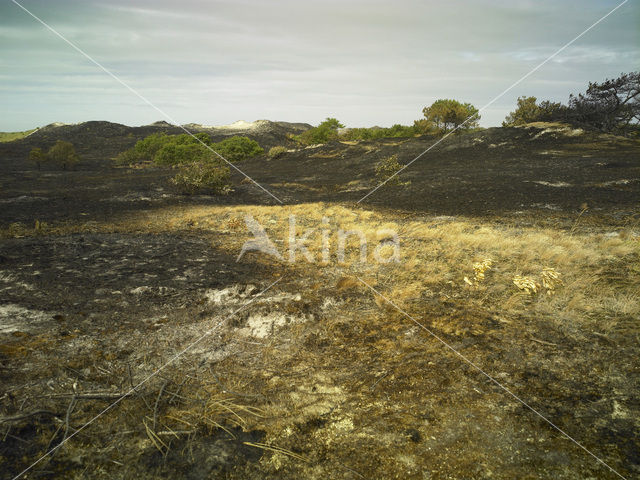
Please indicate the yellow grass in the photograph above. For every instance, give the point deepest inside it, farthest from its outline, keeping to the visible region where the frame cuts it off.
(435, 253)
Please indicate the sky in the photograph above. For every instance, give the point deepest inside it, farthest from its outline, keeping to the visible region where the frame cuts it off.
(364, 62)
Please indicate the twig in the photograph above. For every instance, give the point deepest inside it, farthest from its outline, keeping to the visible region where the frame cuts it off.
(155, 407)
(70, 408)
(542, 342)
(603, 336)
(91, 395)
(378, 380)
(72, 405)
(575, 224)
(175, 433)
(17, 418)
(226, 390)
(177, 392)
(275, 449)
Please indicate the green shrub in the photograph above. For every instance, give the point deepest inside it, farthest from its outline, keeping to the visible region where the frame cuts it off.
(276, 152)
(203, 177)
(172, 150)
(386, 172)
(236, 149)
(37, 156)
(177, 153)
(147, 148)
(198, 139)
(64, 154)
(396, 131)
(424, 127)
(128, 157)
(526, 112)
(323, 133)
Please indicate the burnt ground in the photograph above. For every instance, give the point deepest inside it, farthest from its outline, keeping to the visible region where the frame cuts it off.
(495, 172)
(316, 378)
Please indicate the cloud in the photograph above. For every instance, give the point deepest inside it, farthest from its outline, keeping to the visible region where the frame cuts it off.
(365, 62)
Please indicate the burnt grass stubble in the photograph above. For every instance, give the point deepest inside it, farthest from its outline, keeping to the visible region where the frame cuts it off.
(98, 311)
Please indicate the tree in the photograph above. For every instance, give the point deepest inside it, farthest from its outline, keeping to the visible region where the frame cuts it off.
(37, 156)
(64, 154)
(447, 114)
(610, 106)
(526, 112)
(552, 112)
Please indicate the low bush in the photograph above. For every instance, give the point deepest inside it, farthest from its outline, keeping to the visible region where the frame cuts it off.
(236, 149)
(128, 157)
(63, 154)
(203, 177)
(147, 148)
(276, 152)
(178, 153)
(323, 133)
(168, 150)
(37, 157)
(386, 171)
(374, 133)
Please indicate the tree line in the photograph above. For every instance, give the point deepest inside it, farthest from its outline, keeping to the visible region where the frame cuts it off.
(612, 106)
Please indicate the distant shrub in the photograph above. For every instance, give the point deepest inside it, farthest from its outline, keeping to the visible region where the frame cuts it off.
(323, 133)
(386, 171)
(374, 133)
(424, 127)
(185, 139)
(63, 154)
(37, 157)
(236, 149)
(147, 148)
(276, 152)
(178, 153)
(171, 150)
(203, 177)
(128, 157)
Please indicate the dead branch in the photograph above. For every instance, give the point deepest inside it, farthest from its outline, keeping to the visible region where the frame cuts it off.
(542, 342)
(91, 395)
(17, 418)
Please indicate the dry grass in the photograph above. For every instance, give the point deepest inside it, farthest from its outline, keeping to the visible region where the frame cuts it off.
(437, 254)
(570, 280)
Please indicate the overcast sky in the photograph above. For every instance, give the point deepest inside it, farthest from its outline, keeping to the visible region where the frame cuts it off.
(364, 62)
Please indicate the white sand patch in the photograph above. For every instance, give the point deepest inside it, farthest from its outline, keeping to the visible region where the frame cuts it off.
(548, 206)
(564, 130)
(239, 293)
(263, 326)
(239, 125)
(612, 183)
(14, 318)
(22, 199)
(8, 281)
(552, 184)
